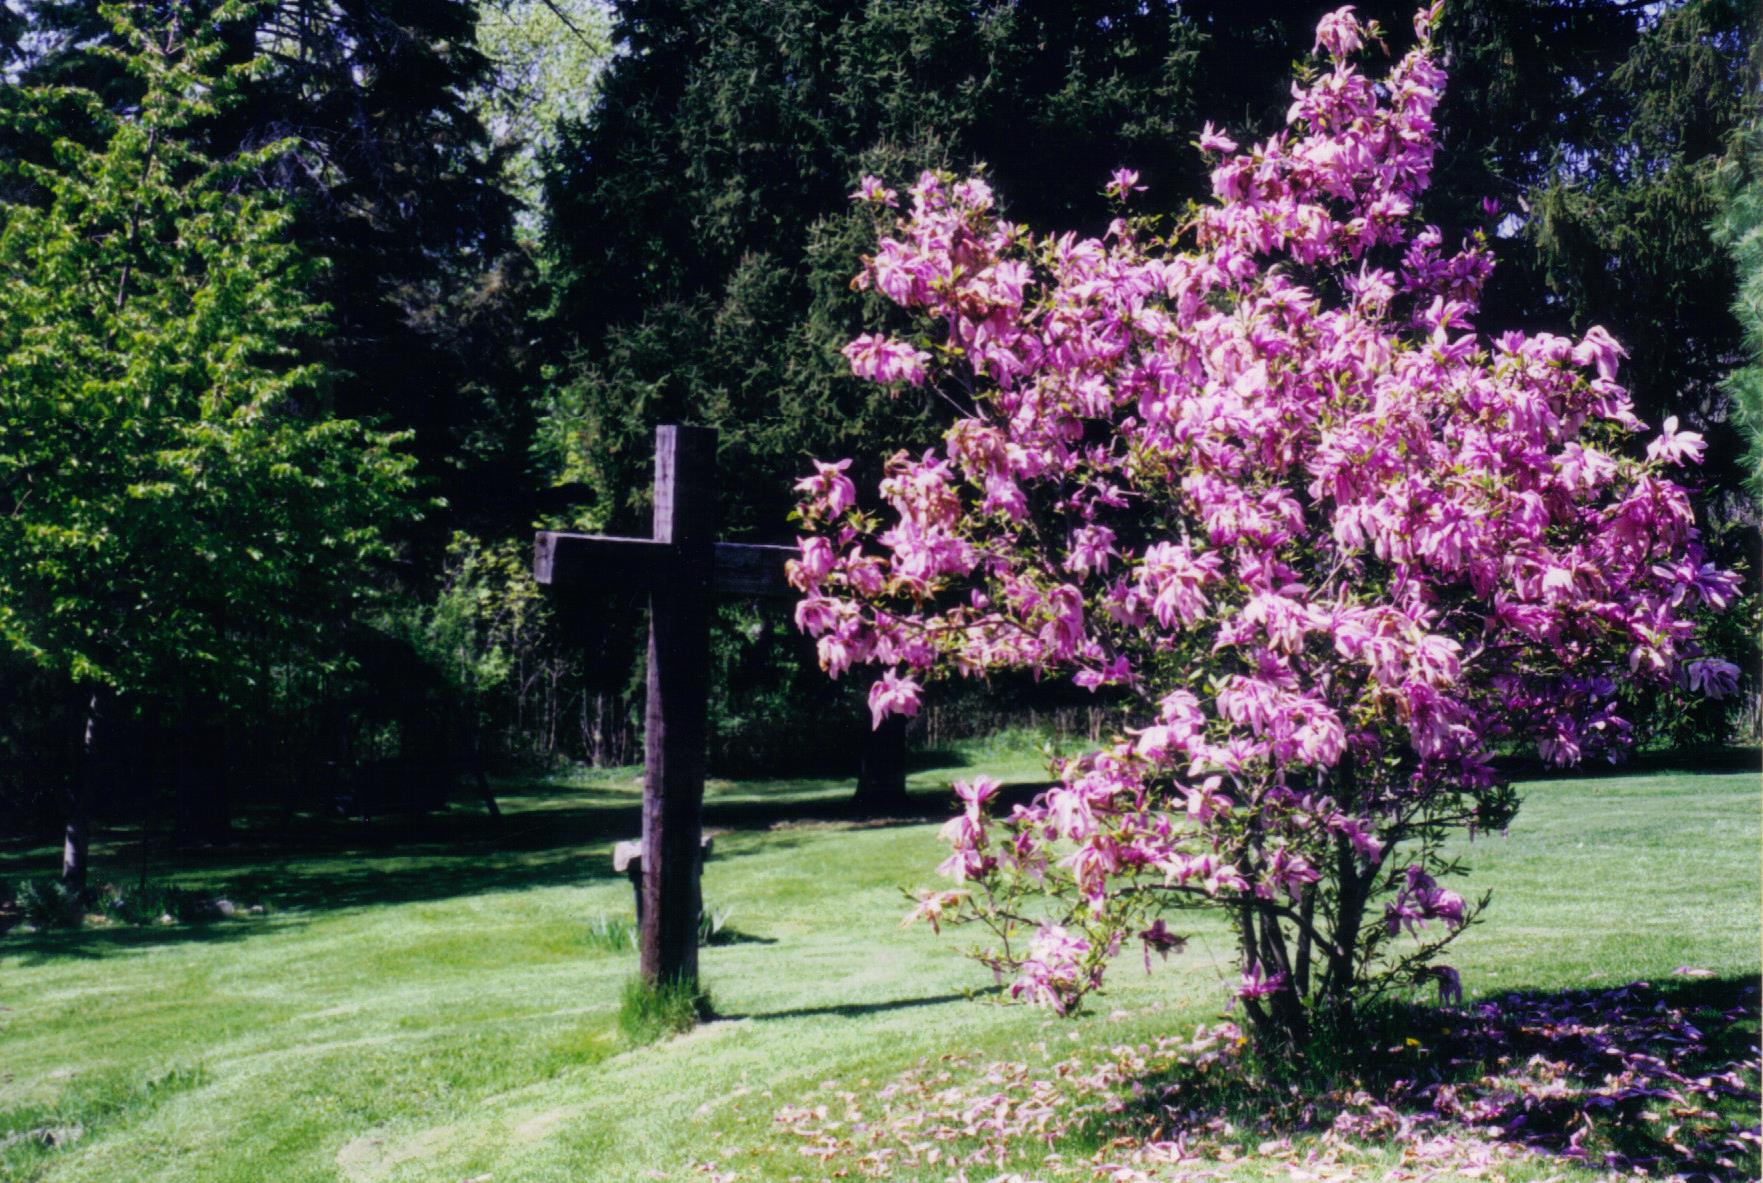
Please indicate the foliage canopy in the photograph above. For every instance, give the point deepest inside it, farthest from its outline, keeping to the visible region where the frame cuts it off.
(176, 500)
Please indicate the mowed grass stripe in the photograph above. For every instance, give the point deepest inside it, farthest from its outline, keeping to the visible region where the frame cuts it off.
(465, 1027)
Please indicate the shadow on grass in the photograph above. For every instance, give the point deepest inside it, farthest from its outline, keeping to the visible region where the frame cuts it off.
(550, 836)
(734, 936)
(856, 1010)
(1661, 1079)
(50, 945)
(937, 759)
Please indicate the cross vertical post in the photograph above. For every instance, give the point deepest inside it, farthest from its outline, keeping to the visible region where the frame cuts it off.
(676, 718)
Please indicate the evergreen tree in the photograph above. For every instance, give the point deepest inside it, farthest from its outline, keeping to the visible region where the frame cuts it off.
(1601, 128)
(1740, 230)
(700, 238)
(701, 246)
(180, 508)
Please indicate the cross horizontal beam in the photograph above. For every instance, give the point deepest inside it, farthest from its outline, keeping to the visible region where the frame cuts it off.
(600, 561)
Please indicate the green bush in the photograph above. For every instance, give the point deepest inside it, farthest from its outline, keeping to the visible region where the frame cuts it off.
(50, 903)
(146, 903)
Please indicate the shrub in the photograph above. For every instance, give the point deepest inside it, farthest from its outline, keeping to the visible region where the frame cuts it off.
(50, 903)
(147, 903)
(1257, 471)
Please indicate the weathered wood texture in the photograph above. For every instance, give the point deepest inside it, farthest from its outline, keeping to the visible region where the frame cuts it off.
(627, 860)
(582, 561)
(682, 566)
(748, 569)
(676, 721)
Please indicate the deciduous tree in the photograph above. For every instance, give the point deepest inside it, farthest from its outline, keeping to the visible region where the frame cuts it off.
(1258, 468)
(179, 507)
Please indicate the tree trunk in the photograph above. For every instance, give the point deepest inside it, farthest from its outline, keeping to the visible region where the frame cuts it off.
(77, 832)
(881, 779)
(476, 756)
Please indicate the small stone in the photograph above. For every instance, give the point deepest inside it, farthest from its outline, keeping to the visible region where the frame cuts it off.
(225, 907)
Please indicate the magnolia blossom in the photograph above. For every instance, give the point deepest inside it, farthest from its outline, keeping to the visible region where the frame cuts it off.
(881, 359)
(1674, 446)
(1711, 676)
(1213, 140)
(1159, 940)
(829, 492)
(1053, 968)
(893, 695)
(1269, 482)
(1340, 33)
(1421, 901)
(870, 189)
(1255, 983)
(1125, 181)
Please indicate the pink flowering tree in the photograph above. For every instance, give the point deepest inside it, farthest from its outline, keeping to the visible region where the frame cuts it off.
(1259, 471)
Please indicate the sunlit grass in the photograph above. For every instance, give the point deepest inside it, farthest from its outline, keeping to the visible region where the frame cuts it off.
(444, 1010)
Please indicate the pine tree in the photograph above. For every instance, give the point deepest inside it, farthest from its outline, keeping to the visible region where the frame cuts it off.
(1601, 128)
(1740, 230)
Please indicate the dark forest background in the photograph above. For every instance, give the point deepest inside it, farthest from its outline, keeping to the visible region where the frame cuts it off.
(513, 236)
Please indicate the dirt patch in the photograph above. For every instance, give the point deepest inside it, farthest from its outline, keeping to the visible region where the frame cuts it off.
(375, 1154)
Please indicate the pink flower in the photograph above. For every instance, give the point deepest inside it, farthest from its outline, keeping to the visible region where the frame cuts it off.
(1340, 33)
(1158, 939)
(1091, 549)
(1052, 973)
(1290, 873)
(1205, 802)
(1124, 182)
(1674, 446)
(881, 359)
(932, 906)
(1421, 900)
(1255, 983)
(1600, 350)
(829, 490)
(1711, 676)
(816, 561)
(892, 695)
(871, 189)
(975, 793)
(1213, 140)
(1176, 580)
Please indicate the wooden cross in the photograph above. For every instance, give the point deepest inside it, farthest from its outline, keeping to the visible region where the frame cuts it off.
(682, 567)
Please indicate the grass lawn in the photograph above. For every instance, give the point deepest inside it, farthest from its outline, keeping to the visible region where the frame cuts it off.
(439, 1010)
